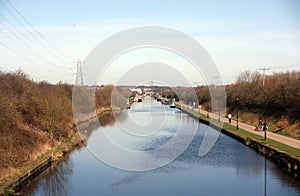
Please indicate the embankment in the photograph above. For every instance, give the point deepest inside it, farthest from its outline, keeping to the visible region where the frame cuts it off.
(285, 161)
(57, 153)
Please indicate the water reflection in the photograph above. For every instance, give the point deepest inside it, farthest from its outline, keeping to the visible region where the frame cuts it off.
(227, 155)
(230, 168)
(126, 180)
(105, 119)
(54, 181)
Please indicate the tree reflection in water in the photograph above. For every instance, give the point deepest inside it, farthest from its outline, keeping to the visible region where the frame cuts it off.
(126, 180)
(107, 119)
(59, 174)
(187, 174)
(58, 178)
(54, 181)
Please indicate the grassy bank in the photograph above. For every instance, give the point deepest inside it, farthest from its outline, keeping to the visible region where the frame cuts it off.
(65, 146)
(246, 134)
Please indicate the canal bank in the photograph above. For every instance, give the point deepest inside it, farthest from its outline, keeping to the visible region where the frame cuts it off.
(287, 162)
(42, 163)
(83, 173)
(46, 160)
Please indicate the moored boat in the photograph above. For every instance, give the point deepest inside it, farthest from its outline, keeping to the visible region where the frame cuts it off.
(173, 105)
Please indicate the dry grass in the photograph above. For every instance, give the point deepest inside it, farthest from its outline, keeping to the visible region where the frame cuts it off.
(24, 119)
(34, 118)
(281, 126)
(291, 131)
(249, 118)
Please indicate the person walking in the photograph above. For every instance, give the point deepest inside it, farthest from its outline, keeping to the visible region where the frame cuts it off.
(229, 118)
(265, 127)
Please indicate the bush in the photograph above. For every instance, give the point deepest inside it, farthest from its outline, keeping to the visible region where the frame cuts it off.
(28, 111)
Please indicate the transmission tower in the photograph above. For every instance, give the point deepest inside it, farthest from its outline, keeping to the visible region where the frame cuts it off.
(79, 75)
(264, 74)
(151, 83)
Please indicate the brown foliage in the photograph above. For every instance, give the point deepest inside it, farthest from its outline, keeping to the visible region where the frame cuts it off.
(29, 111)
(103, 96)
(35, 115)
(279, 96)
(282, 123)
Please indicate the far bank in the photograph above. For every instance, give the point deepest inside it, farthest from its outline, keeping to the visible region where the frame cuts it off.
(286, 157)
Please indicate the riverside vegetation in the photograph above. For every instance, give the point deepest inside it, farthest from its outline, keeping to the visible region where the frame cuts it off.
(35, 119)
(278, 99)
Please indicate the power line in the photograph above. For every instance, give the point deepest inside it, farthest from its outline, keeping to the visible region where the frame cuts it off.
(33, 51)
(37, 32)
(27, 59)
(34, 40)
(12, 40)
(42, 44)
(26, 37)
(29, 47)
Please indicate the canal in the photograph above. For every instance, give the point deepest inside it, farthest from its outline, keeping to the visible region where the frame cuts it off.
(229, 168)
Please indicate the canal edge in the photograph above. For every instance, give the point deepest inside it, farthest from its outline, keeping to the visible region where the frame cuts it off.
(286, 162)
(22, 180)
(16, 184)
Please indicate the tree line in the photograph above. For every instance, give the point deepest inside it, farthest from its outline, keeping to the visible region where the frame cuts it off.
(277, 96)
(36, 115)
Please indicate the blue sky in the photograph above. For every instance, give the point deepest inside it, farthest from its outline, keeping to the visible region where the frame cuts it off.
(238, 35)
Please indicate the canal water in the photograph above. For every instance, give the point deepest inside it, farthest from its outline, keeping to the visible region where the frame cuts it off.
(229, 168)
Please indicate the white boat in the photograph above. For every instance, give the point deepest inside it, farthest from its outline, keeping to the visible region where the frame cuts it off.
(173, 105)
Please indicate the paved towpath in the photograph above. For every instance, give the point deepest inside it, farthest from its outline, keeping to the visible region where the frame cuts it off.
(274, 136)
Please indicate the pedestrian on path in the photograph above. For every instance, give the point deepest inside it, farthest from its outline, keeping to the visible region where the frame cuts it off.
(229, 118)
(265, 128)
